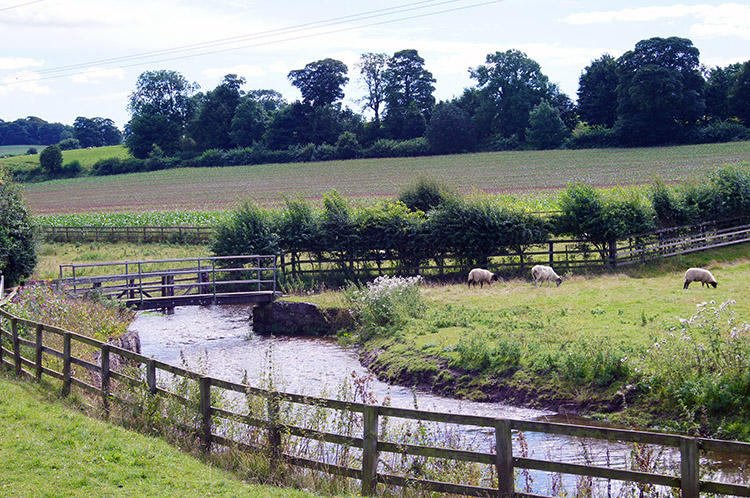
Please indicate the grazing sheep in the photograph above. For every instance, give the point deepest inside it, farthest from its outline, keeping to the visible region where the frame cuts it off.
(480, 276)
(542, 273)
(699, 275)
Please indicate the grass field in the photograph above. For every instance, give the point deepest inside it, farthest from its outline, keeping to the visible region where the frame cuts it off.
(50, 450)
(16, 150)
(87, 157)
(516, 173)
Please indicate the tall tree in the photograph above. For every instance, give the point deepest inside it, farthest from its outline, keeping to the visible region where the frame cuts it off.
(372, 69)
(739, 96)
(321, 82)
(213, 121)
(660, 91)
(248, 123)
(161, 106)
(719, 85)
(510, 85)
(546, 129)
(450, 129)
(409, 88)
(597, 92)
(17, 245)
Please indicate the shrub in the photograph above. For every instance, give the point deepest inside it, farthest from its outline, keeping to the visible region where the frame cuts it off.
(250, 230)
(32, 151)
(425, 193)
(51, 160)
(722, 131)
(385, 304)
(17, 248)
(347, 146)
(592, 137)
(69, 144)
(71, 169)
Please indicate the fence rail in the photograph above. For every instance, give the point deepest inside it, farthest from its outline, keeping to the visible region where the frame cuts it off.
(167, 283)
(185, 234)
(33, 350)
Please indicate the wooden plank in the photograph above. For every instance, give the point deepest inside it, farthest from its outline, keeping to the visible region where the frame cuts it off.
(408, 413)
(721, 488)
(370, 450)
(598, 433)
(435, 452)
(323, 467)
(600, 472)
(436, 486)
(326, 437)
(689, 468)
(238, 417)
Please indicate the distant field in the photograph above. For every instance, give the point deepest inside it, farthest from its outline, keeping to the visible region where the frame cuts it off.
(515, 173)
(17, 149)
(87, 157)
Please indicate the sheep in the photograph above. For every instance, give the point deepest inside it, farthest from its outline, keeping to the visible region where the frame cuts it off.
(480, 276)
(542, 273)
(699, 275)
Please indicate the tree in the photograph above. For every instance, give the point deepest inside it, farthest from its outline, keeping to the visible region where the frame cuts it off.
(372, 68)
(510, 85)
(450, 129)
(409, 88)
(17, 246)
(51, 160)
(213, 121)
(320, 82)
(660, 91)
(248, 123)
(597, 92)
(546, 130)
(739, 97)
(161, 106)
(719, 85)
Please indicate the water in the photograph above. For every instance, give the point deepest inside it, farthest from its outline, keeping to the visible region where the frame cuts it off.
(219, 341)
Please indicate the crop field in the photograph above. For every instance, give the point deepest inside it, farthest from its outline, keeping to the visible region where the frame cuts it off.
(516, 174)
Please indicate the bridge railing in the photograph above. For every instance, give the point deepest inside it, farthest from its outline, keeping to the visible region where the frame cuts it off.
(165, 283)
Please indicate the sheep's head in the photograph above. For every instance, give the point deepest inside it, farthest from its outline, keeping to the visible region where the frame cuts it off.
(713, 283)
(559, 281)
(495, 277)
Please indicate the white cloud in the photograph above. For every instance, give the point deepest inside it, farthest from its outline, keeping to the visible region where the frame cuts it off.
(728, 19)
(11, 63)
(98, 74)
(25, 83)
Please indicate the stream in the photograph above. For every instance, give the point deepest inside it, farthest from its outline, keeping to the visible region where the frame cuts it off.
(219, 341)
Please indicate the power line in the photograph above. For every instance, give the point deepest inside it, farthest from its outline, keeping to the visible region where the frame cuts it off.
(262, 35)
(20, 5)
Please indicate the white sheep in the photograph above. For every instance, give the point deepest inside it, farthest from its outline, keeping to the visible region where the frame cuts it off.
(480, 276)
(699, 275)
(542, 273)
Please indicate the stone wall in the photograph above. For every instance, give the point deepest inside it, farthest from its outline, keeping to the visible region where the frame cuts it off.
(293, 318)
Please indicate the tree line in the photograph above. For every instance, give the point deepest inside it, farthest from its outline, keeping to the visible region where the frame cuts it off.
(657, 93)
(85, 132)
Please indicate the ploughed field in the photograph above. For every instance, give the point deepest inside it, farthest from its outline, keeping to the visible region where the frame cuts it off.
(496, 172)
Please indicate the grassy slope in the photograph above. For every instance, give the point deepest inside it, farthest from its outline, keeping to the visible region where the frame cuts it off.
(47, 449)
(87, 157)
(215, 188)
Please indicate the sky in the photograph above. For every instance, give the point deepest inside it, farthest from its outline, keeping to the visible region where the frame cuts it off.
(64, 59)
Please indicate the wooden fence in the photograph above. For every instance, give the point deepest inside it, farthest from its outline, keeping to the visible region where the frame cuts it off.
(182, 234)
(33, 349)
(166, 283)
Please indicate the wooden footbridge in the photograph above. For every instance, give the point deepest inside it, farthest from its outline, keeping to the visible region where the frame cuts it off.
(168, 283)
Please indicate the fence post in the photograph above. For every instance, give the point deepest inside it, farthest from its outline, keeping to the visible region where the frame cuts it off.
(370, 450)
(504, 458)
(66, 364)
(205, 408)
(612, 253)
(689, 468)
(151, 375)
(274, 429)
(105, 378)
(16, 346)
(551, 252)
(38, 355)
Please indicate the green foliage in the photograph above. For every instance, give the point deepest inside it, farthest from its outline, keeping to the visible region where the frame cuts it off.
(51, 160)
(17, 245)
(450, 129)
(249, 231)
(425, 193)
(384, 305)
(546, 130)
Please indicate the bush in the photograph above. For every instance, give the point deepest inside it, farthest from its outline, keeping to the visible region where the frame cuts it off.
(69, 144)
(51, 160)
(117, 166)
(71, 169)
(592, 137)
(17, 248)
(722, 131)
(32, 151)
(425, 194)
(250, 230)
